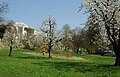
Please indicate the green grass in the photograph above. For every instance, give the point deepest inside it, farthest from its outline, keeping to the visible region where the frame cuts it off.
(23, 65)
(98, 59)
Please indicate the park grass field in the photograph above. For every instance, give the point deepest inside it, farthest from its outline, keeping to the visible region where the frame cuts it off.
(24, 65)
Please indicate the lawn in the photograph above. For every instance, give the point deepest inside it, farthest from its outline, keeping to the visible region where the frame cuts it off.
(24, 65)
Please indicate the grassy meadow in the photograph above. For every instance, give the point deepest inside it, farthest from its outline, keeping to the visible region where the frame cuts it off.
(24, 65)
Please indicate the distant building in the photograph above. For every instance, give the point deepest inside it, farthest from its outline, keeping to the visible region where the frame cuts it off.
(24, 29)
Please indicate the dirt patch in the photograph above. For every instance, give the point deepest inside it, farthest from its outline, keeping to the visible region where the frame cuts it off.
(58, 56)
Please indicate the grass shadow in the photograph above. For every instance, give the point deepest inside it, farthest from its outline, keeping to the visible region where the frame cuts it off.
(79, 66)
(32, 57)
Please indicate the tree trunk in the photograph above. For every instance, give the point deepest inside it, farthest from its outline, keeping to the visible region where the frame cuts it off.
(49, 51)
(77, 50)
(117, 61)
(65, 49)
(11, 42)
(117, 54)
(116, 46)
(10, 51)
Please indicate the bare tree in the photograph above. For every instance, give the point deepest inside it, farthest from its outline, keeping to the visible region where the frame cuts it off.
(49, 33)
(3, 9)
(108, 16)
(76, 39)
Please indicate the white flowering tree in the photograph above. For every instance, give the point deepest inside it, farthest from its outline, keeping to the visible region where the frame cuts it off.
(107, 14)
(10, 36)
(49, 34)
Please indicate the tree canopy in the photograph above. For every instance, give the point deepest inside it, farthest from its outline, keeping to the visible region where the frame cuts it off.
(107, 14)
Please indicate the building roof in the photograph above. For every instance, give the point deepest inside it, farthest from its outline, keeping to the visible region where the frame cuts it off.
(21, 24)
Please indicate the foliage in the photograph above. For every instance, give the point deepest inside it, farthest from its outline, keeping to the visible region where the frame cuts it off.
(31, 42)
(2, 30)
(95, 36)
(67, 37)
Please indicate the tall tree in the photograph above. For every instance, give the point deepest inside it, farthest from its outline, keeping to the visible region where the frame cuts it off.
(49, 33)
(108, 16)
(66, 32)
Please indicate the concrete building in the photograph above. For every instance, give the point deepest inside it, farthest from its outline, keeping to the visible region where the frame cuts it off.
(24, 29)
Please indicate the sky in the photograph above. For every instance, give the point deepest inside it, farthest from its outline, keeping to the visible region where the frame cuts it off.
(34, 12)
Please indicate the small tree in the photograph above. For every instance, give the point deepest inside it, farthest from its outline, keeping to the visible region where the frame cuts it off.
(31, 42)
(49, 33)
(10, 36)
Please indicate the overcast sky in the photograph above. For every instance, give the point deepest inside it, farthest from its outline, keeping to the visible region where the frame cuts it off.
(33, 12)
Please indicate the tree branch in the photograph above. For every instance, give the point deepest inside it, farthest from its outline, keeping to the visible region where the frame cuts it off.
(98, 13)
(113, 14)
(119, 38)
(104, 5)
(109, 33)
